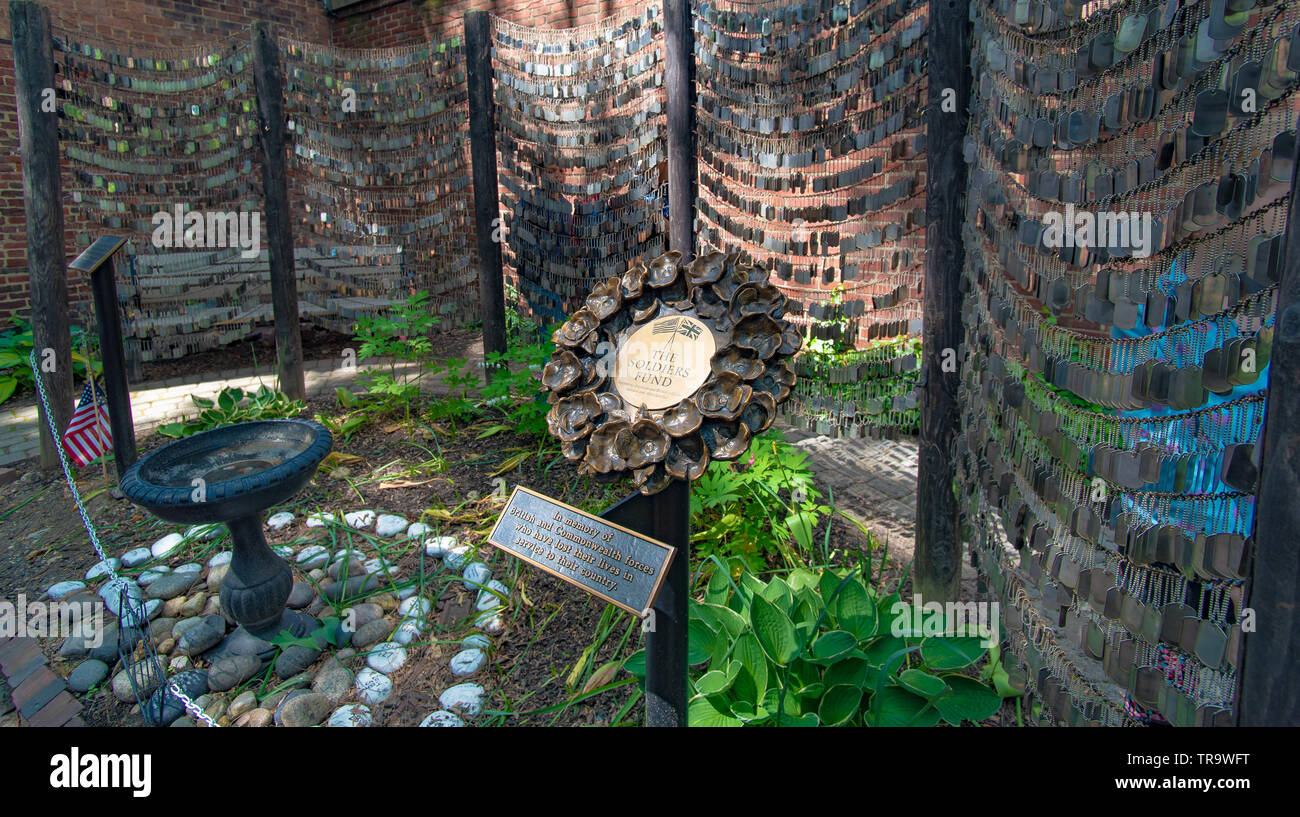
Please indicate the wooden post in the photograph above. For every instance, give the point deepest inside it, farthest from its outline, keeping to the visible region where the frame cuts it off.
(679, 85)
(937, 573)
(1271, 653)
(483, 158)
(38, 139)
(665, 516)
(269, 83)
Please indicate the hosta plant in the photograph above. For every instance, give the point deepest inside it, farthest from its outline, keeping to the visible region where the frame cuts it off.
(816, 649)
(235, 406)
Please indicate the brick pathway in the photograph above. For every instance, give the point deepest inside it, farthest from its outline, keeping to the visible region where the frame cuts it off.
(33, 692)
(873, 481)
(153, 404)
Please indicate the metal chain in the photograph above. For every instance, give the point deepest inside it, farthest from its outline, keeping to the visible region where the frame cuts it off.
(192, 708)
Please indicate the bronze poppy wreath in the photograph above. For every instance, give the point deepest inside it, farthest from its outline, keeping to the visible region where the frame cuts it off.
(748, 375)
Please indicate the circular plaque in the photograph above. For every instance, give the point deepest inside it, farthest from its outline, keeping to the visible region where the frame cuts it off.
(669, 367)
(664, 362)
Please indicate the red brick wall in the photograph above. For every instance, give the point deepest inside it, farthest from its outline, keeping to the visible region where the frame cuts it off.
(385, 23)
(160, 24)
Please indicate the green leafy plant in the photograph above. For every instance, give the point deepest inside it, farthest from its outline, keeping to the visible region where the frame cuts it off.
(402, 336)
(457, 406)
(816, 649)
(515, 390)
(16, 347)
(330, 632)
(235, 406)
(758, 507)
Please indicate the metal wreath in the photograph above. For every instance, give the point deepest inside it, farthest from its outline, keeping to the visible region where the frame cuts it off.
(748, 375)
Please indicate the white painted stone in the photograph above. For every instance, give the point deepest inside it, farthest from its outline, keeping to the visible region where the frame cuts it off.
(359, 520)
(320, 519)
(205, 533)
(476, 640)
(464, 699)
(279, 521)
(468, 662)
(189, 567)
(391, 525)
(489, 622)
(415, 607)
(152, 575)
(164, 546)
(221, 558)
(103, 568)
(457, 557)
(386, 658)
(490, 597)
(373, 687)
(136, 557)
(312, 556)
(437, 546)
(283, 551)
(476, 575)
(406, 632)
(442, 718)
(407, 591)
(111, 593)
(350, 715)
(152, 608)
(418, 530)
(58, 591)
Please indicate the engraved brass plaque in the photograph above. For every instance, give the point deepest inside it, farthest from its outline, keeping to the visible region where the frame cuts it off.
(610, 561)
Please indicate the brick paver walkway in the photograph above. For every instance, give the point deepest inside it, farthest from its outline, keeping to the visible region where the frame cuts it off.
(153, 404)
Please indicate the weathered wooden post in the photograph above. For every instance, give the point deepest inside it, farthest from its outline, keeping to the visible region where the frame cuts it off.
(38, 139)
(938, 551)
(269, 82)
(97, 260)
(1271, 653)
(665, 516)
(679, 85)
(483, 158)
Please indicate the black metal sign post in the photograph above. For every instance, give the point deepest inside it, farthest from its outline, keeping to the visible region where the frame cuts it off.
(665, 516)
(98, 261)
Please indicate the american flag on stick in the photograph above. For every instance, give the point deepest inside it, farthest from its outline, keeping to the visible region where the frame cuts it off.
(88, 435)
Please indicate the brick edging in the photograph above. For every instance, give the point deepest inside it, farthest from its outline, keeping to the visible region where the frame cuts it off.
(39, 694)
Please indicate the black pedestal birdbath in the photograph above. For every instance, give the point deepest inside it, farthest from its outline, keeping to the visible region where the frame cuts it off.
(232, 475)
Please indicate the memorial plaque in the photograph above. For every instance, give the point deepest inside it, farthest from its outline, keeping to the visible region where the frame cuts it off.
(619, 565)
(670, 367)
(664, 362)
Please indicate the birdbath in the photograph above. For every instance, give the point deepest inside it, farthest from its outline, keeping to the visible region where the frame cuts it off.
(232, 475)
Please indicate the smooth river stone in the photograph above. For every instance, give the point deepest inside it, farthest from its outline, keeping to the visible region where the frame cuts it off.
(103, 568)
(391, 525)
(476, 575)
(351, 715)
(279, 520)
(58, 591)
(442, 718)
(386, 658)
(463, 699)
(468, 662)
(136, 557)
(359, 520)
(373, 687)
(164, 546)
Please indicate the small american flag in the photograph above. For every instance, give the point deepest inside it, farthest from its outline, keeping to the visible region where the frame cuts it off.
(88, 435)
(666, 327)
